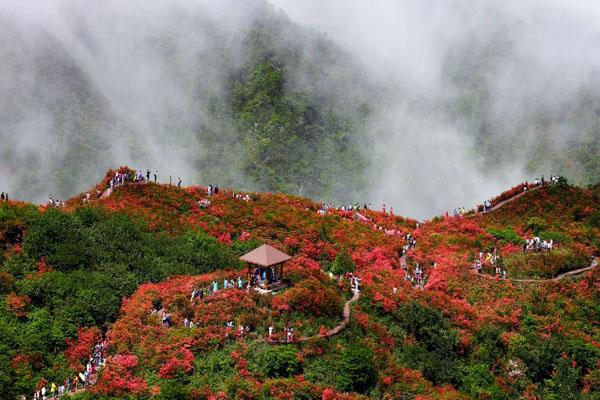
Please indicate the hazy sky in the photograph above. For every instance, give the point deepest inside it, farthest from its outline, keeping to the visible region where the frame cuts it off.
(551, 51)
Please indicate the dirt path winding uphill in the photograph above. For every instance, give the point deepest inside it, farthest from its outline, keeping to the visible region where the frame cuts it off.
(106, 193)
(555, 279)
(361, 217)
(331, 332)
(403, 261)
(507, 201)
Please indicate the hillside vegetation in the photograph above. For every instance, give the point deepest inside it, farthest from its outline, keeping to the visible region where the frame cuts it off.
(67, 274)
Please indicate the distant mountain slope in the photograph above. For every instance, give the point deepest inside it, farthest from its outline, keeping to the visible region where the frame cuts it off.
(258, 103)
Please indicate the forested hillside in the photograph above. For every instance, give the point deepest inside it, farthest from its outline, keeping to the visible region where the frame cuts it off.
(261, 104)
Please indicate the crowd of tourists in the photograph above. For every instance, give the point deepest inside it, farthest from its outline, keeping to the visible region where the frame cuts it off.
(487, 206)
(210, 190)
(360, 217)
(82, 380)
(536, 244)
(325, 207)
(459, 212)
(241, 196)
(411, 243)
(138, 176)
(543, 182)
(214, 190)
(260, 278)
(416, 278)
(239, 332)
(199, 293)
(288, 333)
(354, 281)
(537, 182)
(55, 203)
(492, 259)
(204, 203)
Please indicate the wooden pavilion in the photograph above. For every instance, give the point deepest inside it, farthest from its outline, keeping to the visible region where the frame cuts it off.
(265, 267)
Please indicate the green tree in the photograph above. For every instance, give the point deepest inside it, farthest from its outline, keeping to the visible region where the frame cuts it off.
(536, 224)
(343, 263)
(594, 219)
(436, 350)
(356, 371)
(280, 362)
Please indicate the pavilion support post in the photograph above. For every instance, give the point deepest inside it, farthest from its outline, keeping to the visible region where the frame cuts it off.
(249, 267)
(267, 273)
(281, 272)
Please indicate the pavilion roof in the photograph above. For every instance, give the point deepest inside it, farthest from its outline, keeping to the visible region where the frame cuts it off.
(265, 256)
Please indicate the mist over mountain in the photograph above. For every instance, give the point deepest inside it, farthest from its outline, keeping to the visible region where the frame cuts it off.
(424, 107)
(485, 91)
(227, 94)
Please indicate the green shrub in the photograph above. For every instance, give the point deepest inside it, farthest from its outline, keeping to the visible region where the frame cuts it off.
(507, 235)
(536, 224)
(594, 219)
(60, 238)
(555, 236)
(241, 247)
(436, 350)
(173, 390)
(356, 371)
(343, 263)
(477, 380)
(280, 362)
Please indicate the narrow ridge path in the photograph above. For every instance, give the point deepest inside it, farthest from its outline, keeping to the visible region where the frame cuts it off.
(329, 333)
(504, 202)
(593, 265)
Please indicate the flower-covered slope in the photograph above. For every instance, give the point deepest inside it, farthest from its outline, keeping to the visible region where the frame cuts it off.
(459, 334)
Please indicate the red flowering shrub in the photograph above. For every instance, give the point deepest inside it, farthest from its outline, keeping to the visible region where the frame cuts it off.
(309, 296)
(6, 282)
(117, 377)
(489, 320)
(79, 350)
(181, 361)
(17, 305)
(43, 266)
(244, 236)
